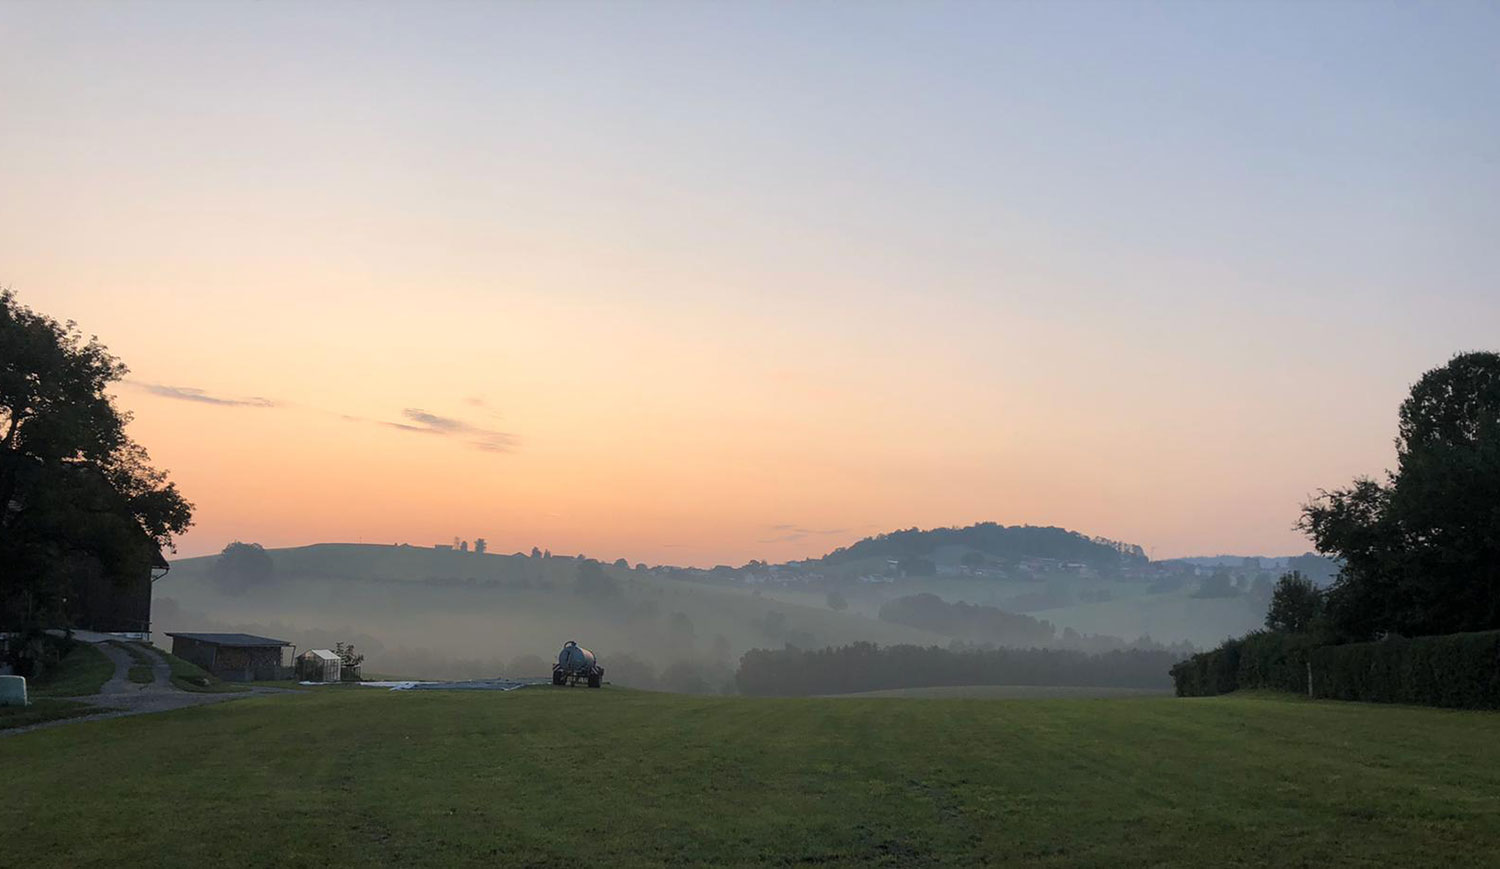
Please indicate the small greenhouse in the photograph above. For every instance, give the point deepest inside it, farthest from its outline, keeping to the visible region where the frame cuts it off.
(319, 665)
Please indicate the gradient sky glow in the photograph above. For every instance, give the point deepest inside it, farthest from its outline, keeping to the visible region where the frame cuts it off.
(699, 283)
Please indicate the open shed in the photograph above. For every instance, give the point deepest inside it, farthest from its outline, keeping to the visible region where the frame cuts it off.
(319, 665)
(233, 657)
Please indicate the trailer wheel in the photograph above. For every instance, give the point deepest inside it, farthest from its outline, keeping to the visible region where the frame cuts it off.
(558, 677)
(594, 681)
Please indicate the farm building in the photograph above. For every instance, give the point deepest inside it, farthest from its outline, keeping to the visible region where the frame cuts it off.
(319, 665)
(233, 657)
(106, 595)
(112, 604)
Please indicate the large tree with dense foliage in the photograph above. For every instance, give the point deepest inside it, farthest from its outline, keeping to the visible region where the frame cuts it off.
(1421, 551)
(74, 488)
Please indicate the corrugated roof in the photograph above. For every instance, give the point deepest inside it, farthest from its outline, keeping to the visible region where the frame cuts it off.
(231, 639)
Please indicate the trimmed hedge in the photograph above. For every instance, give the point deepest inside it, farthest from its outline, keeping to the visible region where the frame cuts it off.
(1460, 671)
(1263, 659)
(1208, 673)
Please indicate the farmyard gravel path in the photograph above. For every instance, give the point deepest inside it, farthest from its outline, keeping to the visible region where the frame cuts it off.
(123, 697)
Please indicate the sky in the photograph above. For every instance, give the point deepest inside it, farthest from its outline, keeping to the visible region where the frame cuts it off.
(697, 283)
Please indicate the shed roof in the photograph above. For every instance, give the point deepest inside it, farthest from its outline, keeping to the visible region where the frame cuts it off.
(231, 639)
(322, 654)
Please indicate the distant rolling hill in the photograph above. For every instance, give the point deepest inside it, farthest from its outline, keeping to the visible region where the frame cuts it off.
(426, 612)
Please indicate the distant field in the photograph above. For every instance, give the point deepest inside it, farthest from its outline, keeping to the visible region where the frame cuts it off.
(1010, 692)
(569, 777)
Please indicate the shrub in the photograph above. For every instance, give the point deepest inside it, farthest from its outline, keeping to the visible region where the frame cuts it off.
(1208, 673)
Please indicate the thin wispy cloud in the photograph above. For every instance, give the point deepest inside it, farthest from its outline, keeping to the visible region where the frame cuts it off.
(189, 393)
(792, 533)
(414, 419)
(489, 440)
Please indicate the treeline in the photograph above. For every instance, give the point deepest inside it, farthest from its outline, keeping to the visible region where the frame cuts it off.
(1011, 543)
(968, 621)
(986, 624)
(868, 667)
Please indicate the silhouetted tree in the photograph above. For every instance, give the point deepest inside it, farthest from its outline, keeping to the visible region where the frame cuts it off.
(243, 566)
(73, 485)
(1421, 551)
(1295, 604)
(480, 545)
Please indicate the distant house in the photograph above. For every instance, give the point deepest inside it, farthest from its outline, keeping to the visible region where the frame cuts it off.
(233, 657)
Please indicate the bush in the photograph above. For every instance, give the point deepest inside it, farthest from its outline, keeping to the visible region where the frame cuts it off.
(1208, 673)
(1460, 671)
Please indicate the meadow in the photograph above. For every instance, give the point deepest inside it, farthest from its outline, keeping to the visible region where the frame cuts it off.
(567, 777)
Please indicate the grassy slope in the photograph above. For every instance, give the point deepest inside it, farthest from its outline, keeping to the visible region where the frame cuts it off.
(44, 709)
(81, 672)
(187, 676)
(574, 777)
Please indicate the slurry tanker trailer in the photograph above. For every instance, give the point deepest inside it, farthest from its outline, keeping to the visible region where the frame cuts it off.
(575, 664)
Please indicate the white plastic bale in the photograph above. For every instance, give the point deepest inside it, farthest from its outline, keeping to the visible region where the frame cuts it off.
(12, 691)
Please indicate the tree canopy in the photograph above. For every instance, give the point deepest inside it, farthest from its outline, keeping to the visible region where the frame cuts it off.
(1421, 550)
(242, 567)
(73, 486)
(1295, 603)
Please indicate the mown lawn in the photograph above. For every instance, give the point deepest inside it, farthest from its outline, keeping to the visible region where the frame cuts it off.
(570, 777)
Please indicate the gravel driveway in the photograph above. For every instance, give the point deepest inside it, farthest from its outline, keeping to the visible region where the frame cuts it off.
(124, 697)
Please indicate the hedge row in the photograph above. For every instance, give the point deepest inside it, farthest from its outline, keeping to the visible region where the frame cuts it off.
(1263, 659)
(1460, 671)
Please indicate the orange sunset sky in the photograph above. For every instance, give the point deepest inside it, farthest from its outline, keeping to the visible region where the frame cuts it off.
(693, 285)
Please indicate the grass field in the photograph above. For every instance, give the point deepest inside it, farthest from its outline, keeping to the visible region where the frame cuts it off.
(569, 777)
(1009, 692)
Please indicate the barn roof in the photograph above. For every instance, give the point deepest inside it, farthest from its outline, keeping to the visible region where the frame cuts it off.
(231, 639)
